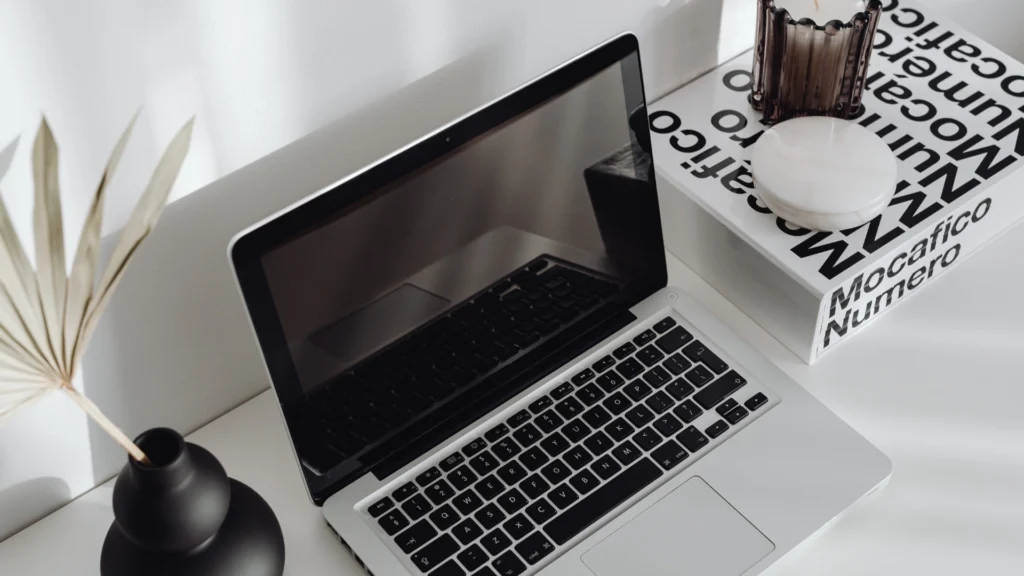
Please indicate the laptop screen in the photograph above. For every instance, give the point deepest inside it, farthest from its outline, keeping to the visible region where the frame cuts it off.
(392, 313)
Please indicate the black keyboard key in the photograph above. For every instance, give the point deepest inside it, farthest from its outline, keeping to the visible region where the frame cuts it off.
(518, 526)
(511, 473)
(404, 491)
(647, 438)
(644, 338)
(604, 364)
(562, 391)
(598, 443)
(584, 481)
(495, 541)
(538, 405)
(527, 435)
(533, 459)
(717, 429)
(381, 506)
(534, 548)
(590, 394)
(576, 430)
(679, 389)
(709, 359)
(639, 415)
(472, 557)
(736, 414)
(726, 406)
(439, 492)
(508, 564)
(577, 457)
(756, 401)
(687, 411)
(489, 516)
(461, 478)
(468, 501)
(548, 421)
(605, 467)
(669, 454)
(610, 381)
(519, 418)
(467, 531)
(534, 487)
(630, 368)
(617, 403)
(650, 356)
(416, 507)
(601, 501)
(569, 408)
(668, 425)
(692, 439)
(624, 350)
(540, 511)
(626, 453)
(619, 430)
(563, 496)
(597, 417)
(449, 463)
(392, 522)
(719, 390)
(674, 340)
(428, 476)
(659, 402)
(484, 463)
(417, 535)
(554, 444)
(433, 554)
(556, 472)
(657, 376)
(676, 364)
(498, 431)
(512, 501)
(490, 487)
(665, 325)
(449, 568)
(444, 517)
(505, 449)
(583, 377)
(699, 375)
(474, 447)
(637, 390)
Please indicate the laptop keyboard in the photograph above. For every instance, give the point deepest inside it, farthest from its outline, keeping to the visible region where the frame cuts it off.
(445, 357)
(505, 502)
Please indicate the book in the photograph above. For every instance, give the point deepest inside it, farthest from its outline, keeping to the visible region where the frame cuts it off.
(950, 107)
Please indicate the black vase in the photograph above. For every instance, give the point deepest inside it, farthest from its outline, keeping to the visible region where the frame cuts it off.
(181, 514)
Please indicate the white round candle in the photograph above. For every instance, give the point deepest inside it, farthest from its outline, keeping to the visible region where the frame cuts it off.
(822, 11)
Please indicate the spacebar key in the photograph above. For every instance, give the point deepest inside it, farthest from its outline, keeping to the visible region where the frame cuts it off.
(601, 501)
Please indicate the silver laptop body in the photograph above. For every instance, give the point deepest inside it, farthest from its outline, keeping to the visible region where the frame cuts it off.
(482, 369)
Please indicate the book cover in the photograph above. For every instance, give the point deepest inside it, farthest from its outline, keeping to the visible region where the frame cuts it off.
(951, 108)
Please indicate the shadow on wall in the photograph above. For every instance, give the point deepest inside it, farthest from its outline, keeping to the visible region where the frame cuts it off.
(175, 347)
(676, 41)
(22, 504)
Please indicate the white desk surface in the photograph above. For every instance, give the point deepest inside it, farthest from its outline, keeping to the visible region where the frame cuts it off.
(934, 384)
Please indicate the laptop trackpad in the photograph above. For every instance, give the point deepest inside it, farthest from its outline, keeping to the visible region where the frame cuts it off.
(693, 530)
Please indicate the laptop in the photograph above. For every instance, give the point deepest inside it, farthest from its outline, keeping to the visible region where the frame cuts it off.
(483, 371)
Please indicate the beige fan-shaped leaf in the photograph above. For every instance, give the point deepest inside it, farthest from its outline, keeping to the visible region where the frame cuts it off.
(47, 315)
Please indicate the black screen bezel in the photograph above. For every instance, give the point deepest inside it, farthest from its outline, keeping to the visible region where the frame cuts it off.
(248, 248)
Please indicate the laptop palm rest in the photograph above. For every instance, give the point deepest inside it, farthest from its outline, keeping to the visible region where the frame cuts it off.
(693, 530)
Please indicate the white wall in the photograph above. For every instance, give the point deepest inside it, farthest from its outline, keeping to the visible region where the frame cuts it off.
(362, 76)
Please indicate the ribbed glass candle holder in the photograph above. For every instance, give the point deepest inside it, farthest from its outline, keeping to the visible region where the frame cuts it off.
(802, 68)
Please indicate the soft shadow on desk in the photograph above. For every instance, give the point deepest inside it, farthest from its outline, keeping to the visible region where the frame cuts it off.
(175, 347)
(23, 503)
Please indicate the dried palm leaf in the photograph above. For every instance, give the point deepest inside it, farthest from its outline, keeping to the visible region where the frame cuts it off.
(47, 316)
